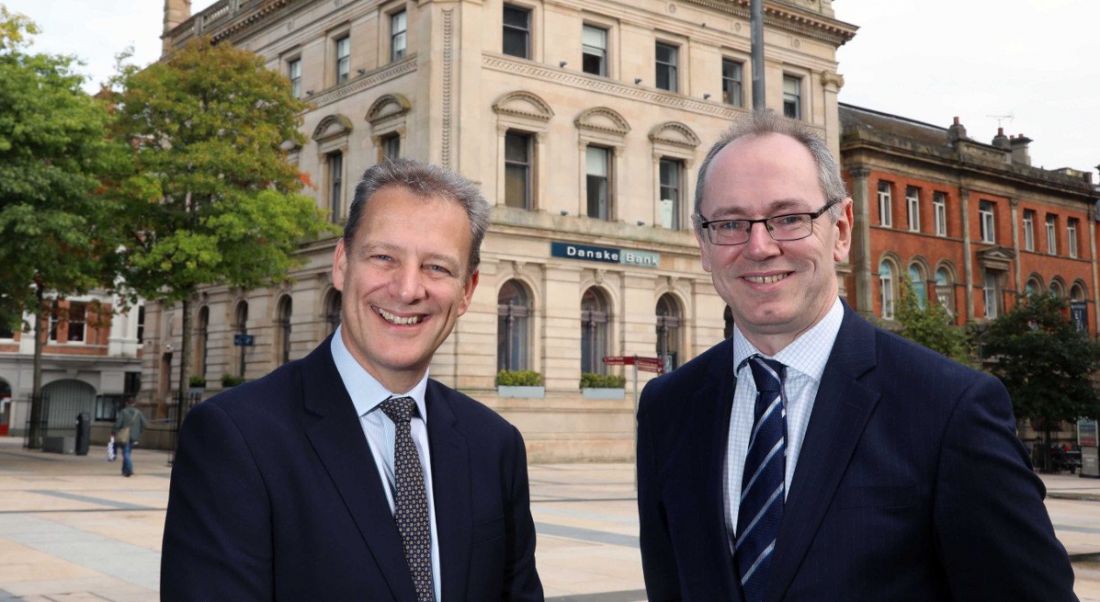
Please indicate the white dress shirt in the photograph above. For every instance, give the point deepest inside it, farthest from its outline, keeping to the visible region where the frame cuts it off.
(367, 394)
(805, 359)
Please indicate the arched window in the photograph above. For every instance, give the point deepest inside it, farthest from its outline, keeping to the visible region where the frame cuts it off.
(332, 310)
(594, 331)
(886, 289)
(945, 290)
(282, 330)
(917, 281)
(1033, 287)
(1077, 292)
(513, 311)
(668, 331)
(240, 326)
(202, 341)
(1057, 289)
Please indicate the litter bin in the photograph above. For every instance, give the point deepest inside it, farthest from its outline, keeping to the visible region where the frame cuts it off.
(83, 433)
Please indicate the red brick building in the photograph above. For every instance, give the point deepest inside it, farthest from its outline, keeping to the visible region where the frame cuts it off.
(971, 224)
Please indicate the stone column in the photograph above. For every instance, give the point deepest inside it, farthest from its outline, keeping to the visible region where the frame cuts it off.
(861, 241)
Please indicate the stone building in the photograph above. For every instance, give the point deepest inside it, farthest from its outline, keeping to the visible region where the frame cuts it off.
(583, 122)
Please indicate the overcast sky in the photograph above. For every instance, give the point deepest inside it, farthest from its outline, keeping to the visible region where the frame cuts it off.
(1036, 60)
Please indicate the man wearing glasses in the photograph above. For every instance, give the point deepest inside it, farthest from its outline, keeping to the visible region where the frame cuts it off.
(813, 456)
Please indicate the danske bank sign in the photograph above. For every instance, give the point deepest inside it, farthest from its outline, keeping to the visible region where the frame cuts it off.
(572, 250)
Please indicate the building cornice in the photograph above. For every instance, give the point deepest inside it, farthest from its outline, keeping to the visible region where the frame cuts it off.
(791, 17)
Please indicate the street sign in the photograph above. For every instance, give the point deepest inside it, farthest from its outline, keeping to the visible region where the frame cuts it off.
(645, 364)
(243, 340)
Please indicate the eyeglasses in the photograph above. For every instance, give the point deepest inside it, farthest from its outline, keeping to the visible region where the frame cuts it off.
(782, 228)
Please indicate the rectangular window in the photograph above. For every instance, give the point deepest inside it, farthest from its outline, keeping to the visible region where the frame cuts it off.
(517, 31)
(672, 172)
(77, 318)
(885, 205)
(1029, 230)
(667, 60)
(336, 185)
(398, 31)
(294, 73)
(1052, 234)
(55, 319)
(391, 146)
(594, 50)
(731, 82)
(912, 204)
(991, 292)
(939, 213)
(343, 59)
(598, 181)
(517, 169)
(986, 226)
(1071, 237)
(792, 97)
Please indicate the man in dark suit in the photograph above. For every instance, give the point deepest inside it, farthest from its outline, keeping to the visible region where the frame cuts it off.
(813, 456)
(349, 475)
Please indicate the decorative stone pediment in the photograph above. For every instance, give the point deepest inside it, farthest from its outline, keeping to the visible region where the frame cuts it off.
(997, 258)
(332, 126)
(524, 105)
(674, 133)
(388, 106)
(603, 120)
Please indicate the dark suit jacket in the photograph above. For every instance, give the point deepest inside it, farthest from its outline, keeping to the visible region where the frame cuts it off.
(275, 495)
(910, 485)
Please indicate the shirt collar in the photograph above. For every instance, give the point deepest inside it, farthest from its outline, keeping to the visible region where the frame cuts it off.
(807, 354)
(365, 390)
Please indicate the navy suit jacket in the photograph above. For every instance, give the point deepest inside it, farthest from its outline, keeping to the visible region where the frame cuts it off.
(911, 485)
(275, 495)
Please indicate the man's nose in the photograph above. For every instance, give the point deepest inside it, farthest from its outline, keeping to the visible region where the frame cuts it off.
(760, 243)
(409, 283)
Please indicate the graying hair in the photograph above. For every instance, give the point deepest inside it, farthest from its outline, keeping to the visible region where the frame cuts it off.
(769, 122)
(424, 180)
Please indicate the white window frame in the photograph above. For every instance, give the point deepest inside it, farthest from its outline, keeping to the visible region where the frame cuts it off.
(596, 51)
(399, 35)
(987, 226)
(342, 52)
(672, 66)
(737, 84)
(528, 52)
(1071, 237)
(885, 204)
(792, 95)
(1052, 234)
(939, 213)
(912, 203)
(886, 289)
(294, 74)
(1029, 230)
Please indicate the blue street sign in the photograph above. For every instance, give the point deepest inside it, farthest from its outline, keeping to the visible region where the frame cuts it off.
(243, 340)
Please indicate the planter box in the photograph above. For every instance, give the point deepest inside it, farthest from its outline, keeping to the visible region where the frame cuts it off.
(525, 392)
(618, 393)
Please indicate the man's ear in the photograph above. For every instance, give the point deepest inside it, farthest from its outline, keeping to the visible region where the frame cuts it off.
(468, 291)
(843, 243)
(339, 265)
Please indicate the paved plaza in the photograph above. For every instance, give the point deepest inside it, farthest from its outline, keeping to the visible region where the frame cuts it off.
(72, 529)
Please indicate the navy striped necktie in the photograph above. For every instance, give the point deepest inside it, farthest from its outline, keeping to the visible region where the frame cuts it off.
(761, 507)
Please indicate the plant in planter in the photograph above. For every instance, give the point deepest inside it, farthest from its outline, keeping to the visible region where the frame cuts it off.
(197, 382)
(231, 380)
(602, 386)
(520, 383)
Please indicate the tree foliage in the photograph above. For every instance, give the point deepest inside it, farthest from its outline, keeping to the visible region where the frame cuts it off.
(55, 231)
(1044, 361)
(931, 326)
(208, 196)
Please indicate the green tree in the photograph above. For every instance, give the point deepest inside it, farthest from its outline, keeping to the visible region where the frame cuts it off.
(55, 232)
(1044, 362)
(209, 197)
(930, 326)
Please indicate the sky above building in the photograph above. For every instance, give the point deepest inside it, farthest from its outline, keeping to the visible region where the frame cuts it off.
(1028, 65)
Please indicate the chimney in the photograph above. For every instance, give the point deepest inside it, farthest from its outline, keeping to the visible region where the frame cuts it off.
(1019, 144)
(1000, 140)
(175, 13)
(956, 132)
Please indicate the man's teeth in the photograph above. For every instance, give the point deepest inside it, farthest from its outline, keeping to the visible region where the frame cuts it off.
(766, 279)
(393, 319)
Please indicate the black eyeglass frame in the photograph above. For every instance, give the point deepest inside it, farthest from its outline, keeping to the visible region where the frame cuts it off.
(705, 224)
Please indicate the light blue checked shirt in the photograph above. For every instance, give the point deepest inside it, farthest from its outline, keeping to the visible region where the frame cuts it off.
(367, 394)
(805, 359)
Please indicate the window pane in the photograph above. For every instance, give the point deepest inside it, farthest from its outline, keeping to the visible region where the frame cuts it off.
(594, 50)
(398, 28)
(666, 67)
(792, 97)
(596, 184)
(731, 82)
(517, 26)
(670, 171)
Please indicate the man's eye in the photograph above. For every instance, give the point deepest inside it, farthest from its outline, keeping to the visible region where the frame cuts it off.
(787, 220)
(731, 226)
(439, 269)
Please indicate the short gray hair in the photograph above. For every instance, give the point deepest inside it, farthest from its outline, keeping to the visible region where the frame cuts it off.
(424, 180)
(765, 122)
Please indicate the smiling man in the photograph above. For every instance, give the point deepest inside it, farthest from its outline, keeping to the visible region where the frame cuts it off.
(349, 474)
(813, 456)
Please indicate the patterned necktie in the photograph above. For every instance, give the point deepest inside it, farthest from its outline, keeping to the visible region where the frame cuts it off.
(761, 506)
(409, 498)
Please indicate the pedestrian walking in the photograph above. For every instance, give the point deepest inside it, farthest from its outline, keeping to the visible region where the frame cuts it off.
(127, 432)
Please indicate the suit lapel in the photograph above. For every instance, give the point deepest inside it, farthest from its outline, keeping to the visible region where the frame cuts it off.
(840, 412)
(451, 492)
(334, 430)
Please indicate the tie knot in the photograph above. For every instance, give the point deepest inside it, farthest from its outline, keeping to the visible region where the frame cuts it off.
(767, 373)
(399, 409)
